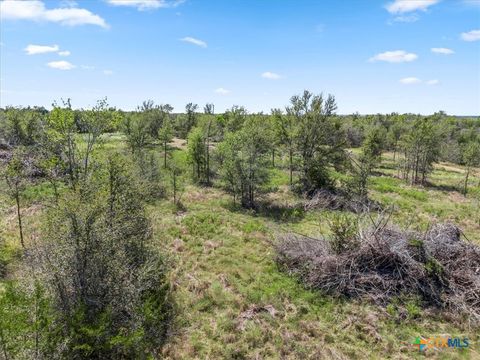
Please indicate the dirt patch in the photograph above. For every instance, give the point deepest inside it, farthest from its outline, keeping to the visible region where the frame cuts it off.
(252, 313)
(178, 143)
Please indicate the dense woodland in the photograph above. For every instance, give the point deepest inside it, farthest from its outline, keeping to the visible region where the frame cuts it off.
(95, 282)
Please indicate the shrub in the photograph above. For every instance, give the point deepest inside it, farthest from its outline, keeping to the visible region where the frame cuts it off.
(108, 285)
(344, 233)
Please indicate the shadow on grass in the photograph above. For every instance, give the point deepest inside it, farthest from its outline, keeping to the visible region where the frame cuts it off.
(270, 210)
(442, 187)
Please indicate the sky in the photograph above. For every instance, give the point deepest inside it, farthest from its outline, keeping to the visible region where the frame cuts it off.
(374, 56)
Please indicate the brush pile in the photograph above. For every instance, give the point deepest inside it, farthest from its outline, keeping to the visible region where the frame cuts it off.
(437, 265)
(330, 200)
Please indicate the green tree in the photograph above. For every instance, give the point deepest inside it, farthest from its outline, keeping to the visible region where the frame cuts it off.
(319, 140)
(471, 158)
(421, 147)
(165, 136)
(14, 175)
(244, 162)
(136, 131)
(95, 122)
(196, 154)
(108, 284)
(61, 131)
(285, 128)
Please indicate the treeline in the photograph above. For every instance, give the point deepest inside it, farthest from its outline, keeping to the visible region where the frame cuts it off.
(237, 147)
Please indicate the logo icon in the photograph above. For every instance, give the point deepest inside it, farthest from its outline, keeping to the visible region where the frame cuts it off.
(421, 343)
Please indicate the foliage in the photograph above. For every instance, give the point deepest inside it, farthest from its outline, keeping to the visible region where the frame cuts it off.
(319, 140)
(197, 154)
(421, 149)
(243, 160)
(344, 233)
(108, 285)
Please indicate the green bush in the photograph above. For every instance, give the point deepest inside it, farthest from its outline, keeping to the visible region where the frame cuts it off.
(344, 230)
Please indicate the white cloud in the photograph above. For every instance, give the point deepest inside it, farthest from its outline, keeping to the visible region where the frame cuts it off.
(406, 18)
(443, 51)
(410, 80)
(64, 53)
(472, 2)
(270, 75)
(40, 49)
(473, 35)
(433, 82)
(397, 56)
(61, 65)
(87, 67)
(403, 6)
(107, 72)
(222, 91)
(146, 4)
(194, 41)
(35, 10)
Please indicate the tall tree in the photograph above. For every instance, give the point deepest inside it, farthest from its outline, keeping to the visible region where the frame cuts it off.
(421, 147)
(196, 154)
(165, 136)
(285, 127)
(243, 160)
(15, 177)
(209, 110)
(471, 158)
(319, 140)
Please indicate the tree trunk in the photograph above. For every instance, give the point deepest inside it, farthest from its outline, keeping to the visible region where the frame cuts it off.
(465, 185)
(20, 228)
(208, 153)
(174, 188)
(291, 167)
(165, 154)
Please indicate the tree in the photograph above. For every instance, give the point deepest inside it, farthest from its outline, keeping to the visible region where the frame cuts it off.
(373, 144)
(176, 173)
(235, 117)
(62, 131)
(108, 284)
(165, 136)
(209, 110)
(196, 154)
(421, 149)
(367, 161)
(95, 122)
(286, 132)
(471, 158)
(318, 138)
(135, 129)
(191, 117)
(243, 160)
(14, 176)
(394, 135)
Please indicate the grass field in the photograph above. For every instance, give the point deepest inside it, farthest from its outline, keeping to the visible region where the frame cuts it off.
(232, 301)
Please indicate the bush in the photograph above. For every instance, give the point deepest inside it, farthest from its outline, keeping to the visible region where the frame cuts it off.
(107, 284)
(344, 233)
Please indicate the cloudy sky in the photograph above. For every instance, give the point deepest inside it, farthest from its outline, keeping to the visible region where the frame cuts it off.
(375, 56)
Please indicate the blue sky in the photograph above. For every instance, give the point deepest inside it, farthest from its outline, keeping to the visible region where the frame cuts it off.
(375, 56)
